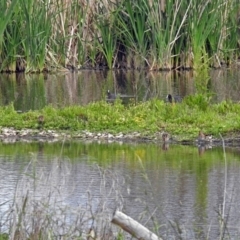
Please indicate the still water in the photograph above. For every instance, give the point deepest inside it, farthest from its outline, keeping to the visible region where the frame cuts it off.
(181, 190)
(34, 91)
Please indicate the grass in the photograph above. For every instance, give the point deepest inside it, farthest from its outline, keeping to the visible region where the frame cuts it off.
(183, 120)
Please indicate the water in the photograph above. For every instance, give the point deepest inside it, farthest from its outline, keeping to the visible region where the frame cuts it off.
(34, 91)
(183, 190)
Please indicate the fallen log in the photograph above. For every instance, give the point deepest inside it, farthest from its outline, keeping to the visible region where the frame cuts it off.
(133, 227)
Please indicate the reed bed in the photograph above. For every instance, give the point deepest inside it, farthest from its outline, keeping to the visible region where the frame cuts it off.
(46, 35)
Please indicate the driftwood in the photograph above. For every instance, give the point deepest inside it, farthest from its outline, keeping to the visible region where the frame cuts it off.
(133, 227)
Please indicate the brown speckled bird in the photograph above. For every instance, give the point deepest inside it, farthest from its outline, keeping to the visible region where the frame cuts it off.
(40, 121)
(165, 137)
(203, 137)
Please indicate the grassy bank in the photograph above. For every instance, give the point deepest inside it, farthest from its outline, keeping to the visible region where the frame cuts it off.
(183, 120)
(45, 35)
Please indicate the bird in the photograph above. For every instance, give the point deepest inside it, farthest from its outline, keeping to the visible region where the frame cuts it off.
(40, 121)
(165, 137)
(173, 99)
(83, 117)
(202, 138)
(111, 95)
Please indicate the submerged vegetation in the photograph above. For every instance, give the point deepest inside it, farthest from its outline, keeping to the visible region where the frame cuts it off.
(183, 120)
(154, 35)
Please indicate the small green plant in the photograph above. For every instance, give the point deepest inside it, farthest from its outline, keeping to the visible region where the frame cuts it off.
(4, 236)
(202, 101)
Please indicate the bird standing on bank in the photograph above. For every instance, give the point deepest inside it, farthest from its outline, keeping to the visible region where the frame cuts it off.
(173, 99)
(203, 138)
(165, 137)
(111, 95)
(40, 121)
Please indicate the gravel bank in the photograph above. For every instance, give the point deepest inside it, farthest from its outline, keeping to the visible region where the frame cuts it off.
(11, 135)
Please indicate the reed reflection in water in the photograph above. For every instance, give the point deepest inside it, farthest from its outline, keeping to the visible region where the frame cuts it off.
(34, 91)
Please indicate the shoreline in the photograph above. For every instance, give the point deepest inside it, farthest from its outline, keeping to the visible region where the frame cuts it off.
(11, 135)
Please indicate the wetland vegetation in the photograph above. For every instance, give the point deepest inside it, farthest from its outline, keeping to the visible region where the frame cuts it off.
(76, 102)
(153, 35)
(43, 36)
(182, 120)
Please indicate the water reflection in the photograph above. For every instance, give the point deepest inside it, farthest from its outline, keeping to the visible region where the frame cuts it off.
(183, 189)
(34, 91)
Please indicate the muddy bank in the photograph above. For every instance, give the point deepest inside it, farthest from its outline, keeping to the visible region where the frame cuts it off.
(11, 135)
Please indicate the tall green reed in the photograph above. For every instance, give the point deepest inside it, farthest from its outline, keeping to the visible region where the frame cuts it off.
(166, 23)
(6, 11)
(108, 40)
(134, 31)
(11, 47)
(37, 32)
(204, 15)
(152, 34)
(227, 45)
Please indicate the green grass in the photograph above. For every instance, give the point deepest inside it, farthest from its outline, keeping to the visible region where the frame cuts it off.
(183, 120)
